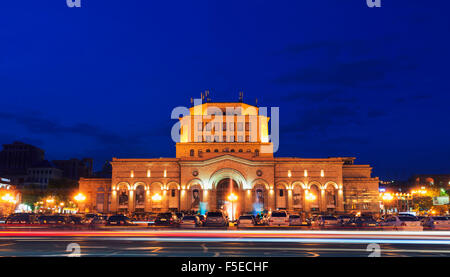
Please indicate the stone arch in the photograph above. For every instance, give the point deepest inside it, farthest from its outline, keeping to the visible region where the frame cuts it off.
(318, 184)
(225, 173)
(140, 194)
(330, 183)
(139, 183)
(260, 181)
(315, 189)
(123, 194)
(156, 188)
(195, 181)
(281, 198)
(299, 183)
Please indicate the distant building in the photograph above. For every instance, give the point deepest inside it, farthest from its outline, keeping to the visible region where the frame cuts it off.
(106, 171)
(433, 180)
(9, 197)
(16, 158)
(74, 168)
(40, 174)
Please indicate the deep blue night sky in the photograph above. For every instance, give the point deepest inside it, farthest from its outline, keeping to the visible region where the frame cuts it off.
(101, 81)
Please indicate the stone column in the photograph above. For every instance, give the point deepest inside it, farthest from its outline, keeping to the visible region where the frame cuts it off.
(147, 207)
(113, 207)
(289, 196)
(131, 201)
(340, 200)
(322, 201)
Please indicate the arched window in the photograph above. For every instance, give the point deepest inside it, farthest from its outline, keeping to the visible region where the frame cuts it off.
(240, 150)
(256, 152)
(207, 150)
(216, 150)
(232, 150)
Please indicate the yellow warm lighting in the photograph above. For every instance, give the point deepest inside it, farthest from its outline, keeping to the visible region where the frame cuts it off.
(156, 197)
(310, 197)
(165, 173)
(322, 173)
(80, 197)
(289, 174)
(387, 197)
(232, 197)
(149, 173)
(306, 173)
(8, 198)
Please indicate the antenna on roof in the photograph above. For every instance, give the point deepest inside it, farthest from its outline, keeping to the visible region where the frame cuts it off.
(241, 96)
(207, 96)
(256, 102)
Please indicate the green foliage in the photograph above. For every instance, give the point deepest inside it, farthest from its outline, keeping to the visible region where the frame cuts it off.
(423, 203)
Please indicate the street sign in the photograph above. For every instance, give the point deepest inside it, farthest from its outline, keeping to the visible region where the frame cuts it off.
(440, 200)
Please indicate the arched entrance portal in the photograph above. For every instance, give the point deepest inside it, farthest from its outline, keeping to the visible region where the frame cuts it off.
(223, 189)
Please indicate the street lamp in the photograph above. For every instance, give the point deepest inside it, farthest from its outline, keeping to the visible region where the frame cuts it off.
(80, 197)
(232, 198)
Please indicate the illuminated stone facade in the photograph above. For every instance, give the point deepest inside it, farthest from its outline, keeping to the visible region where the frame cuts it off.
(224, 148)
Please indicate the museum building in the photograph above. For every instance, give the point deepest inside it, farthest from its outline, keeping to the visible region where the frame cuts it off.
(224, 161)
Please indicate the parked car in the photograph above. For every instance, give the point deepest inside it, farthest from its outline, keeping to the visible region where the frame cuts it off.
(361, 222)
(190, 221)
(343, 219)
(118, 220)
(216, 219)
(21, 218)
(179, 215)
(295, 220)
(246, 221)
(166, 219)
(280, 218)
(3, 220)
(437, 222)
(403, 223)
(52, 219)
(202, 219)
(88, 218)
(326, 221)
(75, 219)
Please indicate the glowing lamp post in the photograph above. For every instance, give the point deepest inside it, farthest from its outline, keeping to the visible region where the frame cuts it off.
(80, 198)
(232, 198)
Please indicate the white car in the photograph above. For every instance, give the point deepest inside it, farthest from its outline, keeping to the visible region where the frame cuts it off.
(279, 219)
(327, 221)
(190, 221)
(246, 221)
(437, 222)
(404, 223)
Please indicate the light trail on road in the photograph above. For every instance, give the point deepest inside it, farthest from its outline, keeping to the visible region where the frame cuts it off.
(278, 236)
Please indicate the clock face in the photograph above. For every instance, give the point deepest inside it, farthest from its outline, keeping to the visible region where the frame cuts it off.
(259, 172)
(195, 172)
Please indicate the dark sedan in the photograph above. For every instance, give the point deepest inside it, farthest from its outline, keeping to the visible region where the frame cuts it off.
(118, 220)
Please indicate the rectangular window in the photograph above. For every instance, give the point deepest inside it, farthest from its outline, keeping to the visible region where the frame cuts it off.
(208, 127)
(199, 139)
(200, 126)
(173, 193)
(240, 139)
(216, 138)
(208, 138)
(231, 126)
(281, 193)
(231, 139)
(240, 126)
(216, 127)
